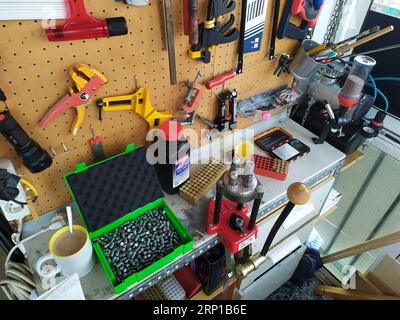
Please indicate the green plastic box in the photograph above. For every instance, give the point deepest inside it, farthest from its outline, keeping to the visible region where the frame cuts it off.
(185, 237)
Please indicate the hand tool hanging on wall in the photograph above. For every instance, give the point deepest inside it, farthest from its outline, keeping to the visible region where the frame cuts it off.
(191, 21)
(191, 101)
(96, 143)
(307, 10)
(283, 65)
(138, 102)
(251, 28)
(221, 79)
(227, 104)
(86, 82)
(211, 33)
(64, 151)
(275, 22)
(33, 156)
(227, 112)
(81, 25)
(194, 93)
(169, 38)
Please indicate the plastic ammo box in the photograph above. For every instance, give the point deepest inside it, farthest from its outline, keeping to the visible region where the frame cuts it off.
(116, 190)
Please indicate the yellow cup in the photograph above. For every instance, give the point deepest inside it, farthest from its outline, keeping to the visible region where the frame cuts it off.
(245, 150)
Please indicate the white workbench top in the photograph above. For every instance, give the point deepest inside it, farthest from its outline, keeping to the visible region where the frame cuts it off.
(309, 168)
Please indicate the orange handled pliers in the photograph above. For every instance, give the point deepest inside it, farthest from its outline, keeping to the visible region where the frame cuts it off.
(86, 82)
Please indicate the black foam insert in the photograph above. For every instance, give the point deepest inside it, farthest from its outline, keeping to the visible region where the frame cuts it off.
(108, 191)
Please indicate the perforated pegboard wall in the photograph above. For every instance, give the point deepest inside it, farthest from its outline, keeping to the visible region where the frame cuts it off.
(34, 75)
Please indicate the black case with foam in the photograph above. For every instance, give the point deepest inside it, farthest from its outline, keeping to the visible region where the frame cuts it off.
(110, 189)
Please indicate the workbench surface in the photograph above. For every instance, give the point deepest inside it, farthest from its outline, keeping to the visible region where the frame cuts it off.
(321, 162)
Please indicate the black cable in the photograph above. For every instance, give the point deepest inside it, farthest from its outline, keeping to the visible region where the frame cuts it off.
(5, 240)
(12, 198)
(277, 225)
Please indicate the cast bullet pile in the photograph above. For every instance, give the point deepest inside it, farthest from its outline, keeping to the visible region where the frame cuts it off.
(137, 244)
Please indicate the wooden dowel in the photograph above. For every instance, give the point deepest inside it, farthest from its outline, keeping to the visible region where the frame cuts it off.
(363, 247)
(349, 294)
(341, 51)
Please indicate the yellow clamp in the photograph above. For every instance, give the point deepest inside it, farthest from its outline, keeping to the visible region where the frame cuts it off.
(140, 103)
(194, 54)
(209, 24)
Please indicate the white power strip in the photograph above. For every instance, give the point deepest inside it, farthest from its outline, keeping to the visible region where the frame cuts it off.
(11, 210)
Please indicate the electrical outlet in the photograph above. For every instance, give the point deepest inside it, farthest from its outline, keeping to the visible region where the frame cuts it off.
(11, 210)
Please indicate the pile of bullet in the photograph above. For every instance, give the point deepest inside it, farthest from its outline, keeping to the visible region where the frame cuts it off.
(138, 243)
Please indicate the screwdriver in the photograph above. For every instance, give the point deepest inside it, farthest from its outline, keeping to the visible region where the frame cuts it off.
(96, 144)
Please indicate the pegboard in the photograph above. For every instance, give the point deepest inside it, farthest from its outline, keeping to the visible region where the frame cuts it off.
(34, 75)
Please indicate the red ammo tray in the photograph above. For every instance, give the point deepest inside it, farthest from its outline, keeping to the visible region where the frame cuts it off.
(271, 167)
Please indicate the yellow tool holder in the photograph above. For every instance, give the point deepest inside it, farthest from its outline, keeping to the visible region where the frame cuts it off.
(140, 103)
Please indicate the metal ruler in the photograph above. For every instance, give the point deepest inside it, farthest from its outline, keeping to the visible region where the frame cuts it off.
(169, 37)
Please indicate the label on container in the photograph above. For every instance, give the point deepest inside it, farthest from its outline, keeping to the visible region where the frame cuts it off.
(182, 172)
(244, 244)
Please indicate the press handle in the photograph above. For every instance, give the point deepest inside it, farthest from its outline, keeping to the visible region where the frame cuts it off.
(298, 194)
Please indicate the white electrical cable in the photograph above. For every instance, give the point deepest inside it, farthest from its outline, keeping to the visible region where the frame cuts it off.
(19, 282)
(17, 285)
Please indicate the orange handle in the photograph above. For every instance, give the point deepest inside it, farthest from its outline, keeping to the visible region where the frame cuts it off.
(220, 79)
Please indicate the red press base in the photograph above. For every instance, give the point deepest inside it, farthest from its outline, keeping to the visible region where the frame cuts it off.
(233, 240)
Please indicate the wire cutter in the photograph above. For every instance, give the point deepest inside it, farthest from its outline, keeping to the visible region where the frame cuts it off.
(86, 82)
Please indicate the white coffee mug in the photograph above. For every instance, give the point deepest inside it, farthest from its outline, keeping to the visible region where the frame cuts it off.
(72, 253)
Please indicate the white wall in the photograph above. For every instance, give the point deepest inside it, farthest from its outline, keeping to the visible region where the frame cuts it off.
(323, 21)
(352, 19)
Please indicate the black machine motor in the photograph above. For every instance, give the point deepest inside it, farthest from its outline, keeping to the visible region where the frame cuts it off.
(334, 104)
(349, 137)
